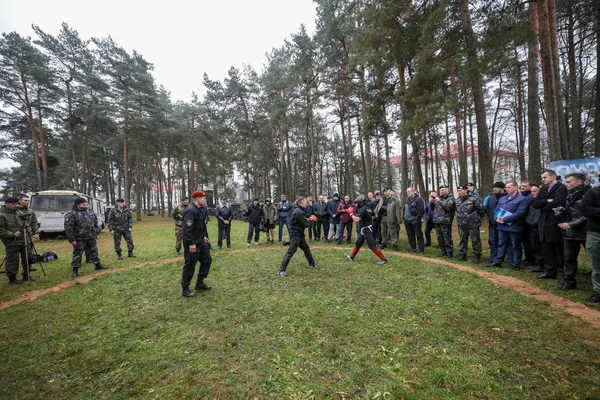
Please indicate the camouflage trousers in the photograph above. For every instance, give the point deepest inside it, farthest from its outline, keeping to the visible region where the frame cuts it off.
(465, 232)
(178, 237)
(387, 227)
(84, 246)
(128, 239)
(444, 236)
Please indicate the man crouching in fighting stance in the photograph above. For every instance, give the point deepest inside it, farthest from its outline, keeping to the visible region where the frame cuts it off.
(364, 213)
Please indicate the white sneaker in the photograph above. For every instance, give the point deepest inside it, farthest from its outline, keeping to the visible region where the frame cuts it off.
(256, 243)
(247, 244)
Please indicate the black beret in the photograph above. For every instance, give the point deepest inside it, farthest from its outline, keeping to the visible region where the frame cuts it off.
(500, 185)
(444, 187)
(470, 184)
(80, 200)
(184, 198)
(463, 187)
(11, 199)
(336, 195)
(120, 200)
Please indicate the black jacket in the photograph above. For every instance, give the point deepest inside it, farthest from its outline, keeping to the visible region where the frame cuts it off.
(224, 214)
(590, 208)
(571, 213)
(194, 226)
(321, 209)
(299, 222)
(548, 224)
(254, 214)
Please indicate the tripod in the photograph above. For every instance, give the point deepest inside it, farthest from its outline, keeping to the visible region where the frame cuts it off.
(28, 244)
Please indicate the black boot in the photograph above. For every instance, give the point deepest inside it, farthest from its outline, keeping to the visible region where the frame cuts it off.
(200, 285)
(130, 254)
(119, 255)
(186, 292)
(443, 254)
(75, 272)
(395, 247)
(12, 280)
(449, 254)
(28, 278)
(100, 266)
(462, 257)
(476, 259)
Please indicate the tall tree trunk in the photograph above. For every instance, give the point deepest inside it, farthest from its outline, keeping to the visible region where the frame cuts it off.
(576, 138)
(169, 185)
(562, 124)
(519, 118)
(533, 104)
(71, 126)
(34, 138)
(42, 141)
(350, 148)
(126, 183)
(448, 156)
(463, 165)
(597, 103)
(474, 72)
(550, 94)
(379, 161)
(366, 134)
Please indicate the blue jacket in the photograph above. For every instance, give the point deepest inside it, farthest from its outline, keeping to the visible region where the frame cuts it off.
(519, 207)
(284, 208)
(429, 210)
(491, 203)
(332, 207)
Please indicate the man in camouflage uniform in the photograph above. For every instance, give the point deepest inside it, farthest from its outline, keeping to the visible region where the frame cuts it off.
(443, 214)
(469, 210)
(81, 228)
(389, 212)
(32, 226)
(120, 224)
(178, 214)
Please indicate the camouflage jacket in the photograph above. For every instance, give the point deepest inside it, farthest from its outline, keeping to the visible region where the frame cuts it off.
(469, 211)
(178, 214)
(120, 220)
(32, 221)
(81, 224)
(444, 209)
(10, 223)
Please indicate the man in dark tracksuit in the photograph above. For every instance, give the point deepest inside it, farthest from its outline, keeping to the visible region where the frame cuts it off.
(224, 216)
(552, 196)
(195, 245)
(81, 229)
(120, 223)
(414, 210)
(298, 224)
(254, 214)
(363, 214)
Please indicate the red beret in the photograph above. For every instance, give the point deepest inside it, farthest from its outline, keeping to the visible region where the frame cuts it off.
(198, 193)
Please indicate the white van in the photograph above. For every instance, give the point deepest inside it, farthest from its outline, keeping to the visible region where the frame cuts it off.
(50, 207)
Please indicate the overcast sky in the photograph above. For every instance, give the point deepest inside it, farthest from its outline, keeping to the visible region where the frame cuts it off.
(183, 39)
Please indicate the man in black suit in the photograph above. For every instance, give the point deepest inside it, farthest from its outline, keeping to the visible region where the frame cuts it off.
(552, 196)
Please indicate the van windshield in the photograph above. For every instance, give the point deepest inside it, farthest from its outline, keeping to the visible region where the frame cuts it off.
(52, 203)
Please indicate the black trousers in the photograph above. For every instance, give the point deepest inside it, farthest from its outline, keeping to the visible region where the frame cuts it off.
(554, 256)
(536, 248)
(224, 233)
(365, 234)
(526, 241)
(253, 228)
(429, 226)
(415, 234)
(324, 223)
(571, 249)
(312, 231)
(201, 255)
(295, 242)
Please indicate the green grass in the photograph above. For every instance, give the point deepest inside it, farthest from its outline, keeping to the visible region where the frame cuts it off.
(408, 329)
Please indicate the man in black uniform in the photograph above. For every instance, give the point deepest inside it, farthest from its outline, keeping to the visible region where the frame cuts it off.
(300, 221)
(195, 245)
(364, 215)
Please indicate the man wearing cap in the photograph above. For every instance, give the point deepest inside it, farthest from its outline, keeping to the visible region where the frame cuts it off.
(120, 224)
(13, 240)
(389, 212)
(195, 245)
(81, 228)
(177, 214)
(254, 213)
(469, 210)
(224, 217)
(472, 189)
(490, 203)
(284, 209)
(443, 216)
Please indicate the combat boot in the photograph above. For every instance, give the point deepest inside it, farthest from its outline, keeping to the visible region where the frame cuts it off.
(443, 254)
(12, 280)
(395, 247)
(100, 266)
(130, 254)
(28, 278)
(119, 255)
(186, 292)
(75, 273)
(200, 285)
(476, 259)
(449, 254)
(462, 257)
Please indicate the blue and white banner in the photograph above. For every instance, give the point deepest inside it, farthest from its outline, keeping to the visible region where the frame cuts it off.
(589, 166)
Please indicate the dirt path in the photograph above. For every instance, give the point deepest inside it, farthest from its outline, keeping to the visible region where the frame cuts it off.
(578, 310)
